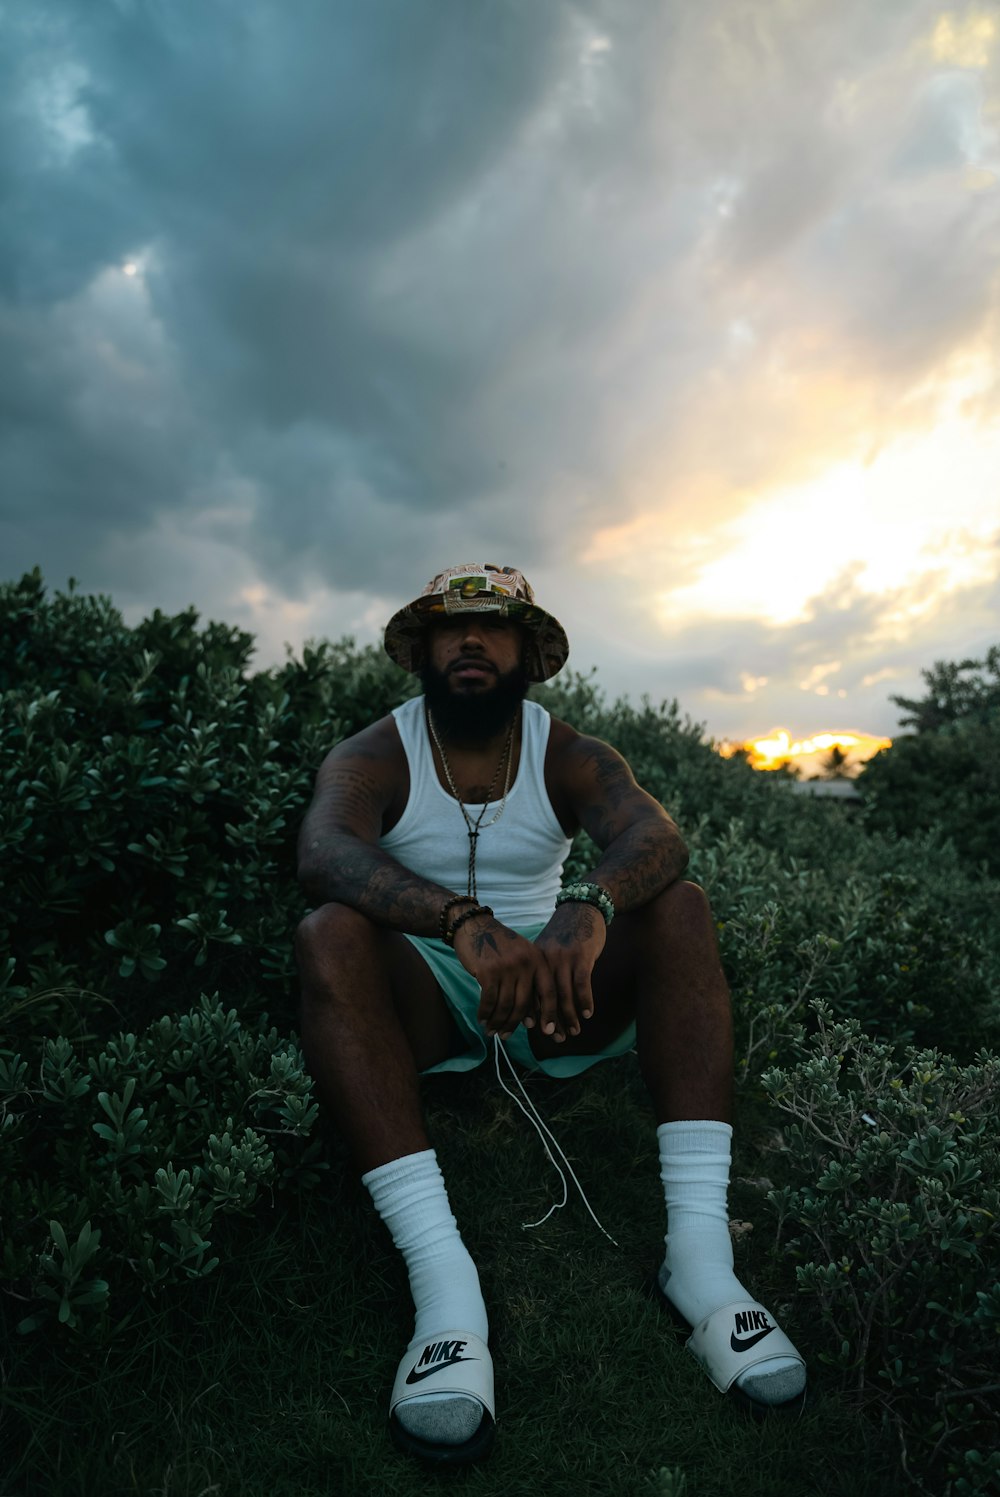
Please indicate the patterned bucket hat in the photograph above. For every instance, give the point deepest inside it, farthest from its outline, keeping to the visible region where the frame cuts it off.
(478, 587)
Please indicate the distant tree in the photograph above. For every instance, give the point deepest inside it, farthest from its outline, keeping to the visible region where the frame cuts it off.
(834, 766)
(946, 775)
(957, 690)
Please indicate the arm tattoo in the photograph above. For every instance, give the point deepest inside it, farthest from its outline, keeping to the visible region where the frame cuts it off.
(340, 860)
(613, 775)
(482, 939)
(643, 852)
(357, 793)
(575, 924)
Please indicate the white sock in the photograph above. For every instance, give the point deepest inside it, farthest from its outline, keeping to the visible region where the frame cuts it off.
(410, 1197)
(697, 1274)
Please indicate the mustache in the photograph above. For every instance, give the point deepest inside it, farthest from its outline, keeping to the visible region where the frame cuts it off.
(471, 660)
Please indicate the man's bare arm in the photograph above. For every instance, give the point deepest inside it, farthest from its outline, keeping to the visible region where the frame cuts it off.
(642, 851)
(338, 854)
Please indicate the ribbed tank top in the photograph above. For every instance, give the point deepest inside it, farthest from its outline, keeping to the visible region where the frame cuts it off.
(519, 860)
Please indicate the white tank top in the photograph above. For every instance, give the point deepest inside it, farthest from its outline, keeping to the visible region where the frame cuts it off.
(519, 860)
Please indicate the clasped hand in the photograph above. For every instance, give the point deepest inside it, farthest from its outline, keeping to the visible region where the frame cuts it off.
(546, 982)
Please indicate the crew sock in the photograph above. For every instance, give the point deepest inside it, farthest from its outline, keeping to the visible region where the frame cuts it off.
(697, 1273)
(410, 1197)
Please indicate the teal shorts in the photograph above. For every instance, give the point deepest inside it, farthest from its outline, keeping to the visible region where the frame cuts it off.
(461, 992)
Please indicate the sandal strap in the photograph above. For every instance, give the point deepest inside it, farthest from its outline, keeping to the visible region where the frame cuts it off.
(736, 1337)
(448, 1362)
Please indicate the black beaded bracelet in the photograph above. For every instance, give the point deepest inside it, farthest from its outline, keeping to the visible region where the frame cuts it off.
(450, 904)
(479, 909)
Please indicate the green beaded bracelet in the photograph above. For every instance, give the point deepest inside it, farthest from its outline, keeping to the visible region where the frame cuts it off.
(588, 894)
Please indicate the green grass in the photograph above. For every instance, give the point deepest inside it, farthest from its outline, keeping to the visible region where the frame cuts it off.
(272, 1376)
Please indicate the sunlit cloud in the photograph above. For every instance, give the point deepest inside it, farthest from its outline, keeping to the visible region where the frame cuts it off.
(920, 515)
(887, 673)
(818, 673)
(965, 41)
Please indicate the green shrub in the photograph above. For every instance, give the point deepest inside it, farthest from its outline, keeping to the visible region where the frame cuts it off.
(150, 798)
(151, 790)
(893, 1226)
(115, 1163)
(947, 773)
(877, 947)
(948, 778)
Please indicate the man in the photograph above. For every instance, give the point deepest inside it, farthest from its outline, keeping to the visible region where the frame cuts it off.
(433, 849)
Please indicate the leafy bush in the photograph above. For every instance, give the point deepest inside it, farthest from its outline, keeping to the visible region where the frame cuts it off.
(151, 789)
(949, 778)
(894, 1229)
(957, 691)
(150, 796)
(876, 946)
(895, 932)
(115, 1164)
(947, 773)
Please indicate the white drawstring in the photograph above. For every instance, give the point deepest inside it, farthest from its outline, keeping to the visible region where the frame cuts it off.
(544, 1133)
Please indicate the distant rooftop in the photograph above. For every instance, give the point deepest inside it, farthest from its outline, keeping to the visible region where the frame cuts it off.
(828, 789)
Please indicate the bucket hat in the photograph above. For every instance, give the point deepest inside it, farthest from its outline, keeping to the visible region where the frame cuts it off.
(478, 587)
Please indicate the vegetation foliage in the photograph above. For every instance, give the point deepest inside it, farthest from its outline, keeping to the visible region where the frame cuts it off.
(151, 787)
(946, 773)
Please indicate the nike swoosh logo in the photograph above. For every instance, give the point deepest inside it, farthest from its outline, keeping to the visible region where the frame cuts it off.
(417, 1377)
(746, 1344)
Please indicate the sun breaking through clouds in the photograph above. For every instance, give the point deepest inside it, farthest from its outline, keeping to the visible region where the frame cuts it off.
(691, 311)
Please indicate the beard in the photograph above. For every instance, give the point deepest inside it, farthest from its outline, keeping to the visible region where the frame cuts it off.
(478, 716)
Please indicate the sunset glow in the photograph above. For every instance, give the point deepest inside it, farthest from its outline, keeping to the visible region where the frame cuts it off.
(692, 315)
(916, 521)
(779, 750)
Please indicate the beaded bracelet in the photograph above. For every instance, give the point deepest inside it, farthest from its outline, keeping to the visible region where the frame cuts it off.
(450, 904)
(479, 909)
(588, 894)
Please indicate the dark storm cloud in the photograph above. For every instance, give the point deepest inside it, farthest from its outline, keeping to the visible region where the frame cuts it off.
(266, 164)
(418, 279)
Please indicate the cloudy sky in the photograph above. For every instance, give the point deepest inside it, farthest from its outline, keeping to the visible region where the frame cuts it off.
(689, 309)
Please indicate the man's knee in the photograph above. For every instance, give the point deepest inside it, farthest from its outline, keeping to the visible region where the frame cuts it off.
(328, 935)
(688, 897)
(684, 902)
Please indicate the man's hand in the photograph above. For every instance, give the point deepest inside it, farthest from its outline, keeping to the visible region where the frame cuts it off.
(571, 943)
(544, 982)
(512, 973)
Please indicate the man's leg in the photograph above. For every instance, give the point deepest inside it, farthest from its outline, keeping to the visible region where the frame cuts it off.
(661, 968)
(372, 1018)
(661, 965)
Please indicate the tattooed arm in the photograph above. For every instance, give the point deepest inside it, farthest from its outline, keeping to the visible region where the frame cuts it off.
(361, 785)
(642, 850)
(642, 853)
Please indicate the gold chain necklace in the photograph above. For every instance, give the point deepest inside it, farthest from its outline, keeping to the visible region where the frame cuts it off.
(475, 827)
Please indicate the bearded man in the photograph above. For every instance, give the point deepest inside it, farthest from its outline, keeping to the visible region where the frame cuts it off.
(433, 849)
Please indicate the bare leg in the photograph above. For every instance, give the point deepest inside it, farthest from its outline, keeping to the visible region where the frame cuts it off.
(372, 1018)
(662, 964)
(661, 967)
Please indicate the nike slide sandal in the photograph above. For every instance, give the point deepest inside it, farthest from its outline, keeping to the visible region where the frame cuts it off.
(451, 1362)
(731, 1341)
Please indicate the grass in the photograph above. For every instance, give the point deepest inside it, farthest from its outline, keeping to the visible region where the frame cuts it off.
(270, 1378)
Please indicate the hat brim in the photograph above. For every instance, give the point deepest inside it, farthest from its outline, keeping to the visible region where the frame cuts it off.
(548, 647)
